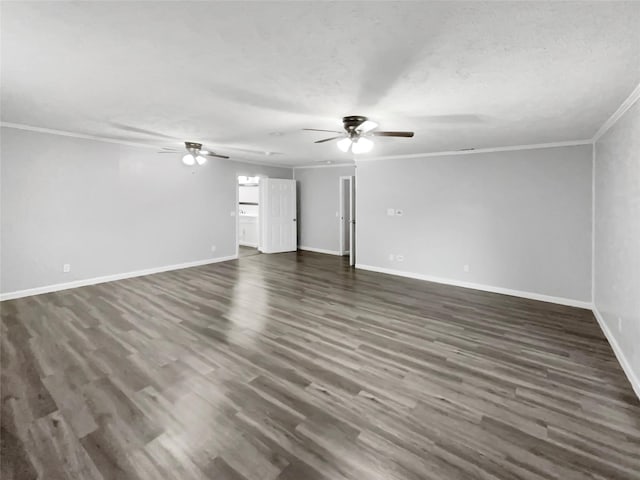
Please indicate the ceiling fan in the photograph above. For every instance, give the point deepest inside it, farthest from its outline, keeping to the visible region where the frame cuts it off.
(194, 155)
(357, 129)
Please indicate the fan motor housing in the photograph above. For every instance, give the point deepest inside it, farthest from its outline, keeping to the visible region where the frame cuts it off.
(353, 121)
(193, 145)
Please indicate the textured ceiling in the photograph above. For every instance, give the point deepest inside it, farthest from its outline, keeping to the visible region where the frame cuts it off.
(249, 76)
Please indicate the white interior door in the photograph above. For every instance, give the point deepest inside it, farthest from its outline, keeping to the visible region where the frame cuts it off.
(352, 223)
(278, 215)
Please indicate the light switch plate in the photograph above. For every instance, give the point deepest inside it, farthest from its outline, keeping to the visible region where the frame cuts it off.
(391, 212)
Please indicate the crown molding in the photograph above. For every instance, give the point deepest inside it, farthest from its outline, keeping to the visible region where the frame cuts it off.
(256, 162)
(64, 133)
(622, 109)
(626, 105)
(333, 165)
(534, 146)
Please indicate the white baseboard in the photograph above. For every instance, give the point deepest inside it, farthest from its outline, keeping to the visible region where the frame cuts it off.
(478, 286)
(622, 360)
(109, 278)
(319, 250)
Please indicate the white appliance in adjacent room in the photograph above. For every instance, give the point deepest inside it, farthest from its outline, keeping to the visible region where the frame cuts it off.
(248, 212)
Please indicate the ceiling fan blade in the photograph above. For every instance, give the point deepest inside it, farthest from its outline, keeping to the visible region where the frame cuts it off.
(392, 134)
(320, 130)
(168, 151)
(366, 126)
(329, 139)
(215, 155)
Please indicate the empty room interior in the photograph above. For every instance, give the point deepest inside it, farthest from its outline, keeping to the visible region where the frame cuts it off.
(320, 240)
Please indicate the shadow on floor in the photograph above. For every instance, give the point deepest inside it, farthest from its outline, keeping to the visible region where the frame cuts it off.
(247, 251)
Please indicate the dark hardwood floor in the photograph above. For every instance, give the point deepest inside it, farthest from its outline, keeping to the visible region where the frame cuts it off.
(295, 367)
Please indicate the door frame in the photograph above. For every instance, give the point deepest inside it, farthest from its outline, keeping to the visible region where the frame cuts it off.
(237, 212)
(352, 221)
(343, 195)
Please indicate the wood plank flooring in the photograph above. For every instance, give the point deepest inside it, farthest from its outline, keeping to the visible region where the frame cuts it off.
(295, 367)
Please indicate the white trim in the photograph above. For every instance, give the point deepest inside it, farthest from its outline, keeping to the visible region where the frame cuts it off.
(64, 133)
(622, 360)
(332, 165)
(622, 109)
(319, 250)
(237, 215)
(341, 213)
(570, 143)
(253, 162)
(611, 121)
(626, 105)
(478, 286)
(110, 278)
(353, 216)
(593, 223)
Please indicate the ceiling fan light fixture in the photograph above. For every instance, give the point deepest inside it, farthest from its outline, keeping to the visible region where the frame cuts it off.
(201, 160)
(362, 145)
(188, 159)
(344, 144)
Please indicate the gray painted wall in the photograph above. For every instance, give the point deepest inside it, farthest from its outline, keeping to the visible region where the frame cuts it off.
(617, 234)
(318, 203)
(521, 219)
(106, 208)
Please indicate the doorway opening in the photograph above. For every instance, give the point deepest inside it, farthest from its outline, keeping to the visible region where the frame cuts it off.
(347, 215)
(248, 225)
(265, 216)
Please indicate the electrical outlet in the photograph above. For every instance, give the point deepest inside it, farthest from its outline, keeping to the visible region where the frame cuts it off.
(466, 268)
(620, 324)
(399, 213)
(213, 248)
(391, 257)
(391, 212)
(399, 258)
(233, 214)
(66, 268)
